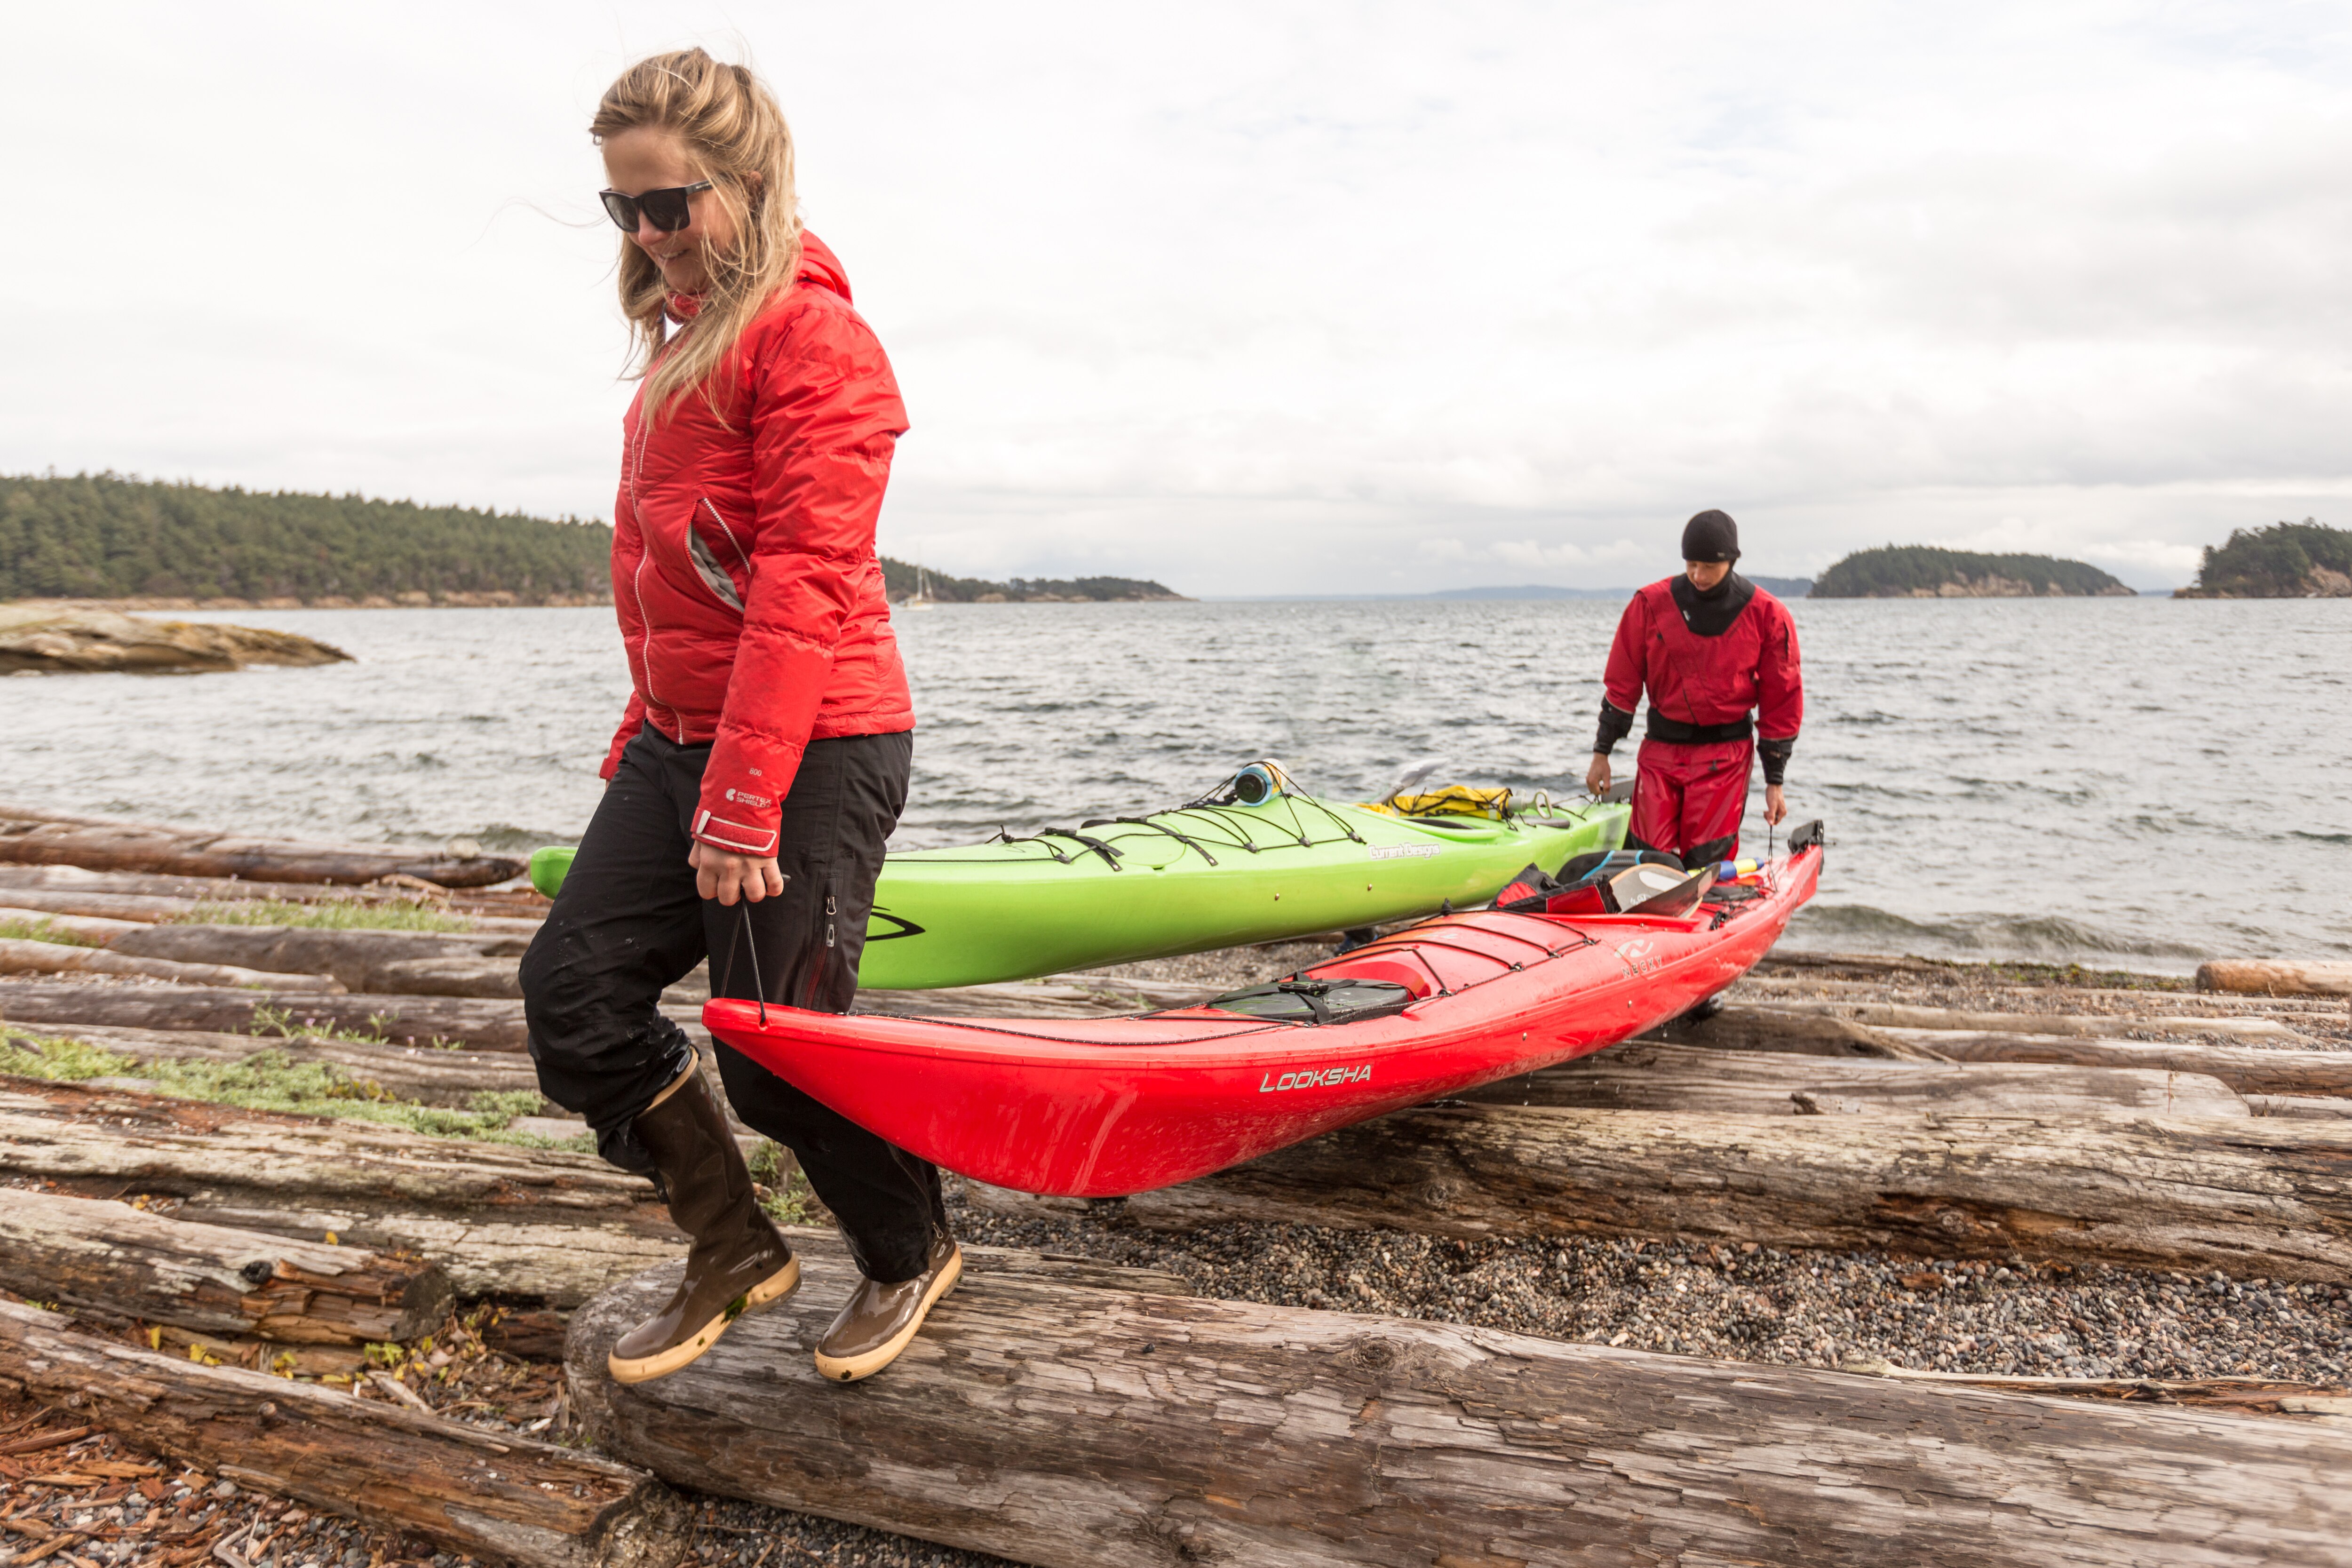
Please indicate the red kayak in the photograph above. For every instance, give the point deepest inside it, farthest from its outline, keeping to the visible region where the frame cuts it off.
(1104, 1107)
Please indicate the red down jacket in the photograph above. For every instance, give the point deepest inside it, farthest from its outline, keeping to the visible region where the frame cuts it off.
(743, 567)
(1751, 666)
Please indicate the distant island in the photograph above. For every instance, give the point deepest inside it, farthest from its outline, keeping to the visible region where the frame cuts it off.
(2305, 559)
(152, 545)
(1923, 572)
(901, 581)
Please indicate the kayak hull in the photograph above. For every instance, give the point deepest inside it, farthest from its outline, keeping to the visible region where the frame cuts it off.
(1105, 1107)
(1186, 881)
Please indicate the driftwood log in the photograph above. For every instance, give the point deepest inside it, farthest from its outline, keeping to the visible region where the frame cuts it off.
(1771, 1029)
(2254, 978)
(428, 1074)
(484, 1023)
(1902, 1016)
(544, 1225)
(499, 1495)
(2249, 1069)
(2255, 1196)
(113, 1259)
(1645, 1075)
(1098, 1429)
(98, 844)
(382, 961)
(95, 930)
(20, 956)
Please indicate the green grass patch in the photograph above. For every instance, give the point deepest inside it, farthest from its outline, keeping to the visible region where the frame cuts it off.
(786, 1193)
(41, 931)
(277, 1080)
(338, 914)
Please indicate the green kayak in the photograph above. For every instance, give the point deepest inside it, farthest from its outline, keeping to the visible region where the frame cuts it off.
(1255, 862)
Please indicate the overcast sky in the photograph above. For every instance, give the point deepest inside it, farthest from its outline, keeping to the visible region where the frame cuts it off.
(1252, 298)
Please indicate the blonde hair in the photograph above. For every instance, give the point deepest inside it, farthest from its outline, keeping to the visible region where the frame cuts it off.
(736, 138)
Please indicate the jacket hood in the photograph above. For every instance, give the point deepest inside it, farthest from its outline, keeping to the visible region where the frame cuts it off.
(818, 265)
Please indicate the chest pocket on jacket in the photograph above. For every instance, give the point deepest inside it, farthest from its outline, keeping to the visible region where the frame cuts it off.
(714, 576)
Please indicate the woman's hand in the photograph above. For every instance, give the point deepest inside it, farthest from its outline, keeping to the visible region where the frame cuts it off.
(1776, 805)
(726, 875)
(1596, 777)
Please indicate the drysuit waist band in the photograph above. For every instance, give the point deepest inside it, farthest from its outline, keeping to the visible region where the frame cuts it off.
(1674, 732)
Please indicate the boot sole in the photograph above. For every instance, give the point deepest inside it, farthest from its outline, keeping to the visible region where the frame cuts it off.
(661, 1364)
(849, 1369)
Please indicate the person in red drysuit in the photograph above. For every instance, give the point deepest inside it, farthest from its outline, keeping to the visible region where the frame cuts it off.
(1710, 648)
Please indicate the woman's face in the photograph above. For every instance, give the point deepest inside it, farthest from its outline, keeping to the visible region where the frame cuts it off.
(649, 159)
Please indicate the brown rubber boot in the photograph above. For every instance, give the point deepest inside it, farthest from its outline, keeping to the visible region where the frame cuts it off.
(880, 1320)
(738, 1262)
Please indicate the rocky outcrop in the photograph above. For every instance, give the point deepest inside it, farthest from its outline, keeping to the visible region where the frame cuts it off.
(66, 639)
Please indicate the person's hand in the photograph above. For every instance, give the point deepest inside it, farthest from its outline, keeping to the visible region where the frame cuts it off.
(1775, 805)
(1596, 777)
(726, 875)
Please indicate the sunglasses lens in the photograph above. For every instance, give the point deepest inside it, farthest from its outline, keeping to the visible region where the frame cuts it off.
(623, 210)
(667, 210)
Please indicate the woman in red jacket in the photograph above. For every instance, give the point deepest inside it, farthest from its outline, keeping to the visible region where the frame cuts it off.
(763, 758)
(1711, 649)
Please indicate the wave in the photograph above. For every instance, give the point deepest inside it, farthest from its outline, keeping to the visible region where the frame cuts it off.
(2031, 937)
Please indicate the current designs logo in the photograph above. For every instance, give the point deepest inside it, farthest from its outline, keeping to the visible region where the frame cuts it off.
(1402, 851)
(1640, 956)
(1328, 1079)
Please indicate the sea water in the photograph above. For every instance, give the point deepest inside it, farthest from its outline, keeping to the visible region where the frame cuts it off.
(2137, 782)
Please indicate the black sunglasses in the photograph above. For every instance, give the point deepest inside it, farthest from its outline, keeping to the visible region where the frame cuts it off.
(668, 209)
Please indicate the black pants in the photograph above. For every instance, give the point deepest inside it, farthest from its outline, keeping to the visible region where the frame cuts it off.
(629, 922)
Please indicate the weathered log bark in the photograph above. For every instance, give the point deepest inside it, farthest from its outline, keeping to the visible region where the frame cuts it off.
(2249, 1069)
(1095, 1429)
(2311, 1108)
(21, 957)
(483, 1023)
(1644, 1075)
(2254, 978)
(1899, 1016)
(2252, 1196)
(500, 1496)
(1804, 1033)
(113, 1259)
(532, 1223)
(429, 1075)
(98, 844)
(94, 930)
(393, 963)
(79, 881)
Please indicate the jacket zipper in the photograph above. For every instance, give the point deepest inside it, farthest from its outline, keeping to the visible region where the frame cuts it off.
(710, 507)
(637, 581)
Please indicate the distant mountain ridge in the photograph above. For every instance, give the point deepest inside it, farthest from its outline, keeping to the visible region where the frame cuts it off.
(2307, 560)
(1925, 572)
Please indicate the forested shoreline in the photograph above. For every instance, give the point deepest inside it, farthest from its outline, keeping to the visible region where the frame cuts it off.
(156, 545)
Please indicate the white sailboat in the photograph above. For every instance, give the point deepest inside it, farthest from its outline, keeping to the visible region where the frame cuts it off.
(921, 598)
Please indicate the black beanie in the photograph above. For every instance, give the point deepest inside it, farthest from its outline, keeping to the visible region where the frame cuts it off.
(1711, 536)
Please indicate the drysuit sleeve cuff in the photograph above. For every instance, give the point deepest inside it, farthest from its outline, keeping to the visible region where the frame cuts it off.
(1616, 725)
(1775, 757)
